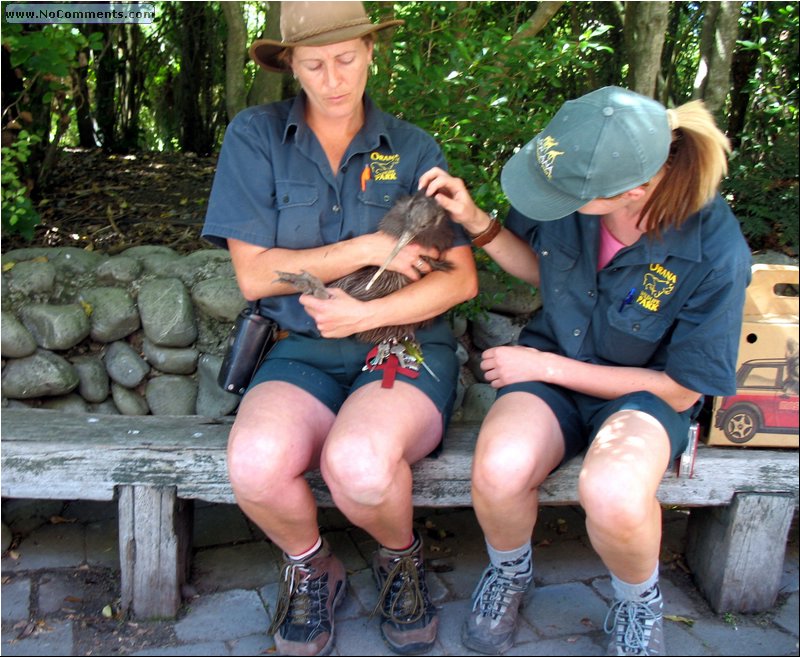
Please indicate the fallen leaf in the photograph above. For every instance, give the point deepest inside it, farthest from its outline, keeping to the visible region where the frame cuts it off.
(680, 619)
(59, 520)
(29, 628)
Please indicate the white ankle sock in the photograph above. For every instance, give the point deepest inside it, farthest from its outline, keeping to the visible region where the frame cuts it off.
(307, 553)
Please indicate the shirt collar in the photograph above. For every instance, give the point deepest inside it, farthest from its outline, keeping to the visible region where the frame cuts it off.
(368, 138)
(684, 242)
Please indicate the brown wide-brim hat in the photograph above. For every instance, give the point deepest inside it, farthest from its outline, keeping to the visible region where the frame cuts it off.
(315, 24)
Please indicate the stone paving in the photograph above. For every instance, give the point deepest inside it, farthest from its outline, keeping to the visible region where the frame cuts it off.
(61, 573)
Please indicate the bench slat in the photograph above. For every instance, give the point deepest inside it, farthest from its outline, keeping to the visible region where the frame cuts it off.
(56, 455)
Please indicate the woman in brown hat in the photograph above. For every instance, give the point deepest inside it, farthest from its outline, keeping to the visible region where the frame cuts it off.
(302, 185)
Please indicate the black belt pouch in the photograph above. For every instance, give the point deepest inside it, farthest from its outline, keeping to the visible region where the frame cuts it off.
(250, 340)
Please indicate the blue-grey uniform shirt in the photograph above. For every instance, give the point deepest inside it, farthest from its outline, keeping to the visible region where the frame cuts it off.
(671, 304)
(274, 187)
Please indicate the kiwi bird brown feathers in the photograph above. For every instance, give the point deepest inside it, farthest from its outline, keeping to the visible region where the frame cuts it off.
(418, 219)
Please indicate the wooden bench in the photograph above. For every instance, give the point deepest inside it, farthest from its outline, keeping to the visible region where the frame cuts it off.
(742, 500)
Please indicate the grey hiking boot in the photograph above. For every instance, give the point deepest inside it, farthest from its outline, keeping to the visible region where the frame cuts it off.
(309, 592)
(409, 620)
(636, 628)
(491, 625)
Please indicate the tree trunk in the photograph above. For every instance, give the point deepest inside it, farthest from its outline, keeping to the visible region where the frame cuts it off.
(544, 12)
(742, 67)
(195, 79)
(131, 86)
(80, 86)
(267, 87)
(645, 27)
(105, 87)
(235, 58)
(717, 43)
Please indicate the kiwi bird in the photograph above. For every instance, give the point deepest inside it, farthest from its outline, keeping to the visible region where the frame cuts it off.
(418, 219)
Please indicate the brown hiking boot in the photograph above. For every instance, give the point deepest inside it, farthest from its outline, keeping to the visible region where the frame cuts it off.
(309, 592)
(409, 623)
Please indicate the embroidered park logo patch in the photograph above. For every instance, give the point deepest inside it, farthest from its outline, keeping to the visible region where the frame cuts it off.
(546, 154)
(658, 282)
(384, 167)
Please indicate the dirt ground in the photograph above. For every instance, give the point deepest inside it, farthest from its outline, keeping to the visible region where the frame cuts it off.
(108, 202)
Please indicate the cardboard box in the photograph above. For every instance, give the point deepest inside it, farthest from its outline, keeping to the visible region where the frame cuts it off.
(764, 410)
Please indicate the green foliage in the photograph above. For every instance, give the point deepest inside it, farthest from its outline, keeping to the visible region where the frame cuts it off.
(479, 94)
(763, 183)
(46, 58)
(762, 189)
(19, 215)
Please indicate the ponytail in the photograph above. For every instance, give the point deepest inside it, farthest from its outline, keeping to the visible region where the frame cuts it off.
(695, 167)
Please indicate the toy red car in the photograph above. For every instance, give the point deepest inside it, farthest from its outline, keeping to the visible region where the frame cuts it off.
(766, 400)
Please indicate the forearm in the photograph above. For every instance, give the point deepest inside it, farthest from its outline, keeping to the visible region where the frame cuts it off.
(507, 250)
(610, 382)
(256, 267)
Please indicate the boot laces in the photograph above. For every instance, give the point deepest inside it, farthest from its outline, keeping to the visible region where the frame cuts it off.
(403, 596)
(495, 593)
(299, 597)
(632, 624)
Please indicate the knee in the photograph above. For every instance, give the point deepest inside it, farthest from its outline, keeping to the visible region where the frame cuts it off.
(613, 499)
(357, 476)
(500, 472)
(255, 465)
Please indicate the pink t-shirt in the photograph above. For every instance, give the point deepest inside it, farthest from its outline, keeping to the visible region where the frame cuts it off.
(609, 245)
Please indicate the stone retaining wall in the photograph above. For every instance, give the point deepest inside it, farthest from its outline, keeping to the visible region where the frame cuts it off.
(144, 331)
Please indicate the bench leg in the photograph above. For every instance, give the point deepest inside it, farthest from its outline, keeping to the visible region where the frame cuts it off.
(155, 532)
(737, 552)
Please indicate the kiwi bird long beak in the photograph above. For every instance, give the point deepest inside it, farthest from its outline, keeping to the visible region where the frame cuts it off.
(405, 238)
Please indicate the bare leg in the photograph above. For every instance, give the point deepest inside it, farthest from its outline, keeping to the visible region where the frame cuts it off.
(617, 488)
(366, 460)
(519, 444)
(277, 436)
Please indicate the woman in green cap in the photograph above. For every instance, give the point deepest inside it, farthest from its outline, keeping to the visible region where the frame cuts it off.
(642, 270)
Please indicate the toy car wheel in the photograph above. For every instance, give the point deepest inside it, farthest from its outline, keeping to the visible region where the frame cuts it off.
(740, 425)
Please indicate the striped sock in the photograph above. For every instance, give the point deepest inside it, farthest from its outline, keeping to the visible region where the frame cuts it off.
(645, 592)
(515, 563)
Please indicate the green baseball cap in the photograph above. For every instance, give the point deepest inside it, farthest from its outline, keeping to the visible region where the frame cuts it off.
(596, 146)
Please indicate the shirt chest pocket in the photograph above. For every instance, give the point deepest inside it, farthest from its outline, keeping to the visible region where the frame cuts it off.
(558, 264)
(631, 336)
(298, 209)
(375, 202)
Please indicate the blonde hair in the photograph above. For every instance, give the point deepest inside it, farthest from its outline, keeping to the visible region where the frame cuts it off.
(697, 162)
